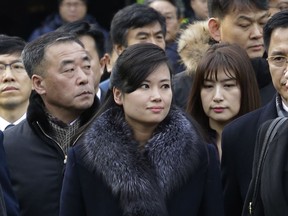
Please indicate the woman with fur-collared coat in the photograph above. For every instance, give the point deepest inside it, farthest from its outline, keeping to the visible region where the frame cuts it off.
(141, 155)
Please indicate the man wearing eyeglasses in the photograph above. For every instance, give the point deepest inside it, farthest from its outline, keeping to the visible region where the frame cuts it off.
(15, 84)
(239, 137)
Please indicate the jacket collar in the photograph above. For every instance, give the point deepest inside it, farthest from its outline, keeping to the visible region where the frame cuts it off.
(36, 112)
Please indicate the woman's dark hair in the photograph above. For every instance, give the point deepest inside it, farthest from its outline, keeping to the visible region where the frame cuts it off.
(235, 62)
(135, 64)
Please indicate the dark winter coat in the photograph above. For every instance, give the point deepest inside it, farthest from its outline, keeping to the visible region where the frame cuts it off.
(238, 143)
(268, 190)
(8, 203)
(36, 161)
(173, 175)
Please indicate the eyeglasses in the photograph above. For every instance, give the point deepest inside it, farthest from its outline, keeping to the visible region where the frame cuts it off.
(16, 67)
(278, 60)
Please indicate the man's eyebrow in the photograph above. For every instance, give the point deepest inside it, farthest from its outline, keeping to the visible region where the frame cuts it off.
(245, 17)
(65, 62)
(281, 53)
(86, 57)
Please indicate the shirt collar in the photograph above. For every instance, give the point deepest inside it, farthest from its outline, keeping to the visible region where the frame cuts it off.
(4, 123)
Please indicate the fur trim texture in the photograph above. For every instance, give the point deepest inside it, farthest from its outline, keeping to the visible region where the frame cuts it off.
(143, 179)
(193, 43)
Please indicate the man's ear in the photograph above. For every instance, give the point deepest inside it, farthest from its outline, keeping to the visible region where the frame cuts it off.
(104, 62)
(118, 48)
(117, 96)
(38, 84)
(214, 29)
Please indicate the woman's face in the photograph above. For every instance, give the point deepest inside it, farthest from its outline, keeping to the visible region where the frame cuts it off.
(221, 98)
(149, 104)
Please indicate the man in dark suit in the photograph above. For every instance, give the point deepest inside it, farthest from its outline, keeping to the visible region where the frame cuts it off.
(238, 137)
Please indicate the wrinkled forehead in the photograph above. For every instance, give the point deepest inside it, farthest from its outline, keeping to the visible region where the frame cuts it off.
(68, 49)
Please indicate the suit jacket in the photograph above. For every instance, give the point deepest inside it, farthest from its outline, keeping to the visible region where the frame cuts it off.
(268, 191)
(8, 203)
(238, 142)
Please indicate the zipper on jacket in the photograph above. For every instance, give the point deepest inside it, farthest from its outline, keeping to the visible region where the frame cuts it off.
(77, 138)
(49, 137)
(250, 208)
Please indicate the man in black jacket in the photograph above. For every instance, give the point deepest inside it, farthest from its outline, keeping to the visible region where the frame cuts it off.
(239, 137)
(62, 101)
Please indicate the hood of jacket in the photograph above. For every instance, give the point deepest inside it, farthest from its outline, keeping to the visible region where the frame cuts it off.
(193, 42)
(142, 178)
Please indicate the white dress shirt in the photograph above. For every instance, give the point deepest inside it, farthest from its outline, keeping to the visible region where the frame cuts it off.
(4, 123)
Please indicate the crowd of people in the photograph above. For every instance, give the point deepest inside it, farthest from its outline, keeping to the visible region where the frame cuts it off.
(159, 115)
